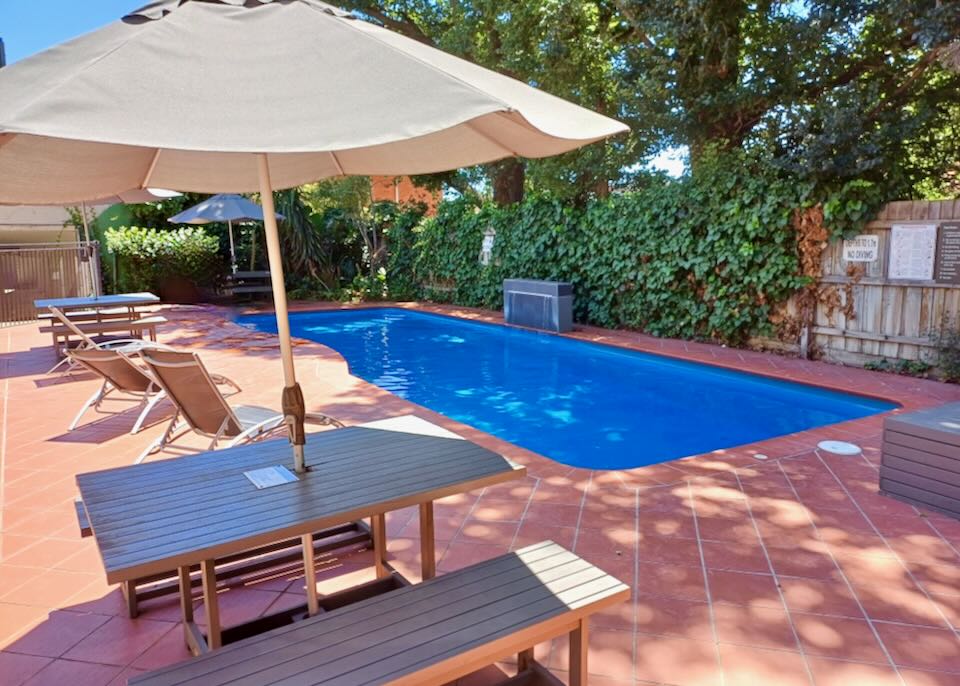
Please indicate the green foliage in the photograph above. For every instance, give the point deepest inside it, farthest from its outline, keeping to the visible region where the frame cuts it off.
(919, 368)
(149, 258)
(946, 341)
(703, 258)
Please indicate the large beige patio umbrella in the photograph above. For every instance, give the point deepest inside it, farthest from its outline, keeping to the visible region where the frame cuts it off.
(235, 96)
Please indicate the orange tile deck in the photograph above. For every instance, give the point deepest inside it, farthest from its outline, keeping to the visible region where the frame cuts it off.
(792, 570)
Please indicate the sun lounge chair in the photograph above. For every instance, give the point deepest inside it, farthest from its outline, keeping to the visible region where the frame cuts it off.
(202, 408)
(119, 375)
(110, 342)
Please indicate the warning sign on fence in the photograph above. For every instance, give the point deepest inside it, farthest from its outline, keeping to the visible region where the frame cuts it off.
(862, 248)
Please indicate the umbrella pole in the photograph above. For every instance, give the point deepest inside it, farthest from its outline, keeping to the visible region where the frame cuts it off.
(293, 406)
(233, 256)
(89, 248)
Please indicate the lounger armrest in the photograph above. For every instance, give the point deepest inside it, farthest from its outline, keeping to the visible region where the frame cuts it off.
(224, 381)
(320, 418)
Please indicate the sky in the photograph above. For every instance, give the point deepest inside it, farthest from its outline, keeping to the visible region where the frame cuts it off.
(29, 27)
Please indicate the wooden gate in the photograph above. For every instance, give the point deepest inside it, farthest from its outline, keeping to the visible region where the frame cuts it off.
(52, 270)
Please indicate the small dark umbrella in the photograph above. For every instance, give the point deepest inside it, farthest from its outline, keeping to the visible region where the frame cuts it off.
(222, 208)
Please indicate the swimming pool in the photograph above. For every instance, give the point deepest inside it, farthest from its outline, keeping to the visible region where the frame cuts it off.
(579, 403)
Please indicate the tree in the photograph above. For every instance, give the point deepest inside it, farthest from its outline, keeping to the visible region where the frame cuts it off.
(566, 47)
(835, 89)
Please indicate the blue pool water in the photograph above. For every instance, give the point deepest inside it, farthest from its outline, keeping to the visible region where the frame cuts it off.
(579, 403)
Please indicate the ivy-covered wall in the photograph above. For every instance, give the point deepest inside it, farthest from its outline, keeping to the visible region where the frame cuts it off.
(703, 257)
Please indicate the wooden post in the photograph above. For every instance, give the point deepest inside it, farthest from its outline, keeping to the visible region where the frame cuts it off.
(524, 660)
(579, 640)
(129, 589)
(310, 574)
(378, 527)
(428, 553)
(208, 574)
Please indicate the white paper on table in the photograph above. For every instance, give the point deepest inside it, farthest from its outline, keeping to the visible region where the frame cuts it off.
(270, 476)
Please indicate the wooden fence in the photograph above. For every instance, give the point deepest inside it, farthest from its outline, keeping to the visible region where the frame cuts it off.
(45, 270)
(889, 317)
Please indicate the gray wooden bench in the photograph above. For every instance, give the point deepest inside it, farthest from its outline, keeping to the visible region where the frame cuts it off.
(429, 633)
(249, 283)
(136, 327)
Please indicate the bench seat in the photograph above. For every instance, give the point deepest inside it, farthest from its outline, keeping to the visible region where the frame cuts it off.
(107, 326)
(429, 633)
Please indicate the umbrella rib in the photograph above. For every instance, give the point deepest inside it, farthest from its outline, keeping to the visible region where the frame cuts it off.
(336, 163)
(153, 165)
(470, 125)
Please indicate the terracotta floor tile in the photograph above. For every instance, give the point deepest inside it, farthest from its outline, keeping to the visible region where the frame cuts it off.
(460, 555)
(552, 514)
(169, 649)
(840, 673)
(673, 617)
(49, 588)
(921, 647)
(16, 668)
(745, 666)
(899, 603)
(61, 672)
(676, 581)
(119, 641)
(15, 620)
(737, 557)
(610, 654)
(491, 510)
(677, 661)
(820, 597)
(609, 541)
(500, 533)
(57, 634)
(802, 563)
(838, 637)
(914, 677)
(669, 550)
(754, 626)
(738, 588)
(534, 532)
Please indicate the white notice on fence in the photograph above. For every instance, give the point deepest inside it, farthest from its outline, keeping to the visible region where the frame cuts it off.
(912, 249)
(862, 248)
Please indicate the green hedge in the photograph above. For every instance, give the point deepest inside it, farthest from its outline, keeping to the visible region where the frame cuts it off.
(152, 260)
(699, 258)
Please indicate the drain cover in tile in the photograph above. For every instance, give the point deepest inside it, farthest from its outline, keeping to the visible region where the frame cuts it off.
(839, 447)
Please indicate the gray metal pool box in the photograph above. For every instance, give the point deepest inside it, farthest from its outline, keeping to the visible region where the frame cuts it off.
(921, 458)
(546, 305)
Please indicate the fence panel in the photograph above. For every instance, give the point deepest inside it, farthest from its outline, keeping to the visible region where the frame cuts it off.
(892, 318)
(56, 270)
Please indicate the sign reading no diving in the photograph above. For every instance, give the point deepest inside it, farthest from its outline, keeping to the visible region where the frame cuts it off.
(862, 248)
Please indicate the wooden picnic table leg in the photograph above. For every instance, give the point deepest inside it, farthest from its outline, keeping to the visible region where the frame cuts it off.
(428, 552)
(208, 574)
(310, 574)
(579, 639)
(191, 633)
(129, 590)
(378, 529)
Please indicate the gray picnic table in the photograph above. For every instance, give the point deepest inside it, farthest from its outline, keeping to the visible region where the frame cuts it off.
(128, 300)
(173, 514)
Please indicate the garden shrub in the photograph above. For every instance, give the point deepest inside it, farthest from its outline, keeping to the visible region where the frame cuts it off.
(702, 257)
(152, 259)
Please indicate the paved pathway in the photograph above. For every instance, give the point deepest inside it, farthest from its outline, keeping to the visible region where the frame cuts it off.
(787, 571)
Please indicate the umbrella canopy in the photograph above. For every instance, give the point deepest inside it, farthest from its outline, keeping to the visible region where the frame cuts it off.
(224, 207)
(242, 95)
